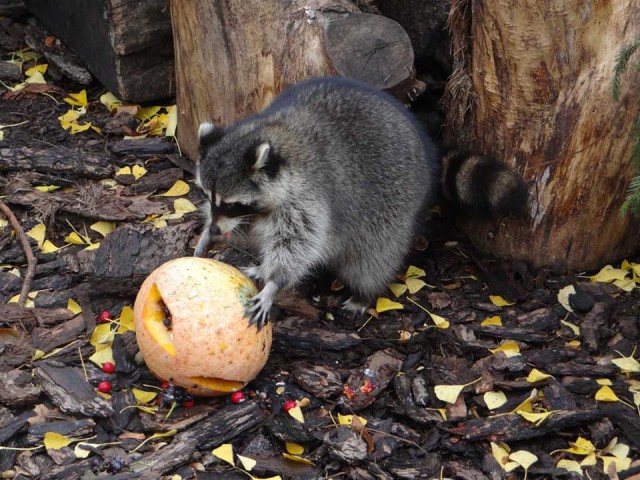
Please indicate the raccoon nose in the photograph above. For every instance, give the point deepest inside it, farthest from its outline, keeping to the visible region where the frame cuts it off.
(214, 230)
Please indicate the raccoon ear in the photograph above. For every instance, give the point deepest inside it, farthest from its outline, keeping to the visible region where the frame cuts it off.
(208, 134)
(262, 156)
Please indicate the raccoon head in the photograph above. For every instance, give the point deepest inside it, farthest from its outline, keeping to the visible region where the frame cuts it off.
(233, 169)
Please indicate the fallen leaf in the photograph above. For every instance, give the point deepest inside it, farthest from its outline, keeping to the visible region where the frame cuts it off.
(570, 465)
(103, 228)
(296, 412)
(77, 99)
(297, 458)
(172, 121)
(415, 284)
(178, 189)
(225, 453)
(383, 304)
(509, 348)
(183, 205)
(294, 448)
(536, 375)
(536, 418)
(398, 289)
(74, 307)
(143, 396)
(414, 272)
(497, 321)
(498, 301)
(563, 296)
(448, 393)
(55, 441)
(494, 399)
(605, 394)
(247, 463)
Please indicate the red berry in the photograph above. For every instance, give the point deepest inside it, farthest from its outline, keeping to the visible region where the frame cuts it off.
(237, 397)
(289, 404)
(108, 367)
(104, 387)
(188, 403)
(104, 316)
(165, 385)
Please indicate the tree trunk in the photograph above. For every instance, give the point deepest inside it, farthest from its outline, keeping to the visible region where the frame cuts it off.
(233, 56)
(540, 99)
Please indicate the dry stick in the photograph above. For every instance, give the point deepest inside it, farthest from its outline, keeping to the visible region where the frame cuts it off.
(31, 260)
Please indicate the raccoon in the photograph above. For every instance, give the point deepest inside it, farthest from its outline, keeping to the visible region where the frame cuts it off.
(332, 174)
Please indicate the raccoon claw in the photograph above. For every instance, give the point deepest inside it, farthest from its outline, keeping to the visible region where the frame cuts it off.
(259, 313)
(252, 272)
(354, 307)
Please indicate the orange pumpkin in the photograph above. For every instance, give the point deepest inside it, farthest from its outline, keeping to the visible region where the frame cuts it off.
(192, 330)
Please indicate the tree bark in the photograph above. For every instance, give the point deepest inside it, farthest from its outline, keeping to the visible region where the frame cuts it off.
(541, 100)
(234, 56)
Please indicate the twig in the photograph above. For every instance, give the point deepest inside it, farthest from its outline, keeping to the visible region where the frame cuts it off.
(31, 259)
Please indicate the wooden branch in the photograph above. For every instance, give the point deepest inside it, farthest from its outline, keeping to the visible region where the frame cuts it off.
(31, 259)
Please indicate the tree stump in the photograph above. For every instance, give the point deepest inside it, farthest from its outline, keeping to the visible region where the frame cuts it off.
(540, 98)
(234, 56)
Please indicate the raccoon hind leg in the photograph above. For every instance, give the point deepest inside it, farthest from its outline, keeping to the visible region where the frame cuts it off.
(367, 277)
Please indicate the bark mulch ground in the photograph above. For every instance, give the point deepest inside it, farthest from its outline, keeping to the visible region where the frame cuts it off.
(556, 388)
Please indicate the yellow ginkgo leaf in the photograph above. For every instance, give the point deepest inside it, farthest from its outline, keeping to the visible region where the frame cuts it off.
(55, 441)
(42, 68)
(93, 246)
(415, 272)
(247, 463)
(178, 189)
(627, 364)
(621, 464)
(183, 205)
(589, 461)
(536, 375)
(225, 453)
(101, 335)
(398, 289)
(75, 239)
(143, 396)
(523, 458)
(348, 420)
(74, 307)
(35, 78)
(77, 99)
(440, 322)
(500, 453)
(37, 355)
(604, 381)
(620, 450)
(102, 355)
(532, 417)
(37, 233)
(509, 348)
(608, 274)
(498, 301)
(563, 297)
(124, 171)
(49, 247)
(605, 394)
(415, 284)
(126, 320)
(110, 101)
(66, 119)
(527, 405)
(147, 113)
(172, 122)
(581, 446)
(572, 326)
(297, 458)
(570, 465)
(494, 399)
(137, 171)
(47, 188)
(294, 448)
(628, 284)
(79, 128)
(103, 228)
(296, 412)
(495, 320)
(383, 304)
(448, 393)
(573, 344)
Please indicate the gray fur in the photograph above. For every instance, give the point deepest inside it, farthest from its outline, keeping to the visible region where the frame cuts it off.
(337, 174)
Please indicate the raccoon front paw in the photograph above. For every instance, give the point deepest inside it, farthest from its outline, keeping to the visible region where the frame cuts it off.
(258, 313)
(252, 272)
(354, 306)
